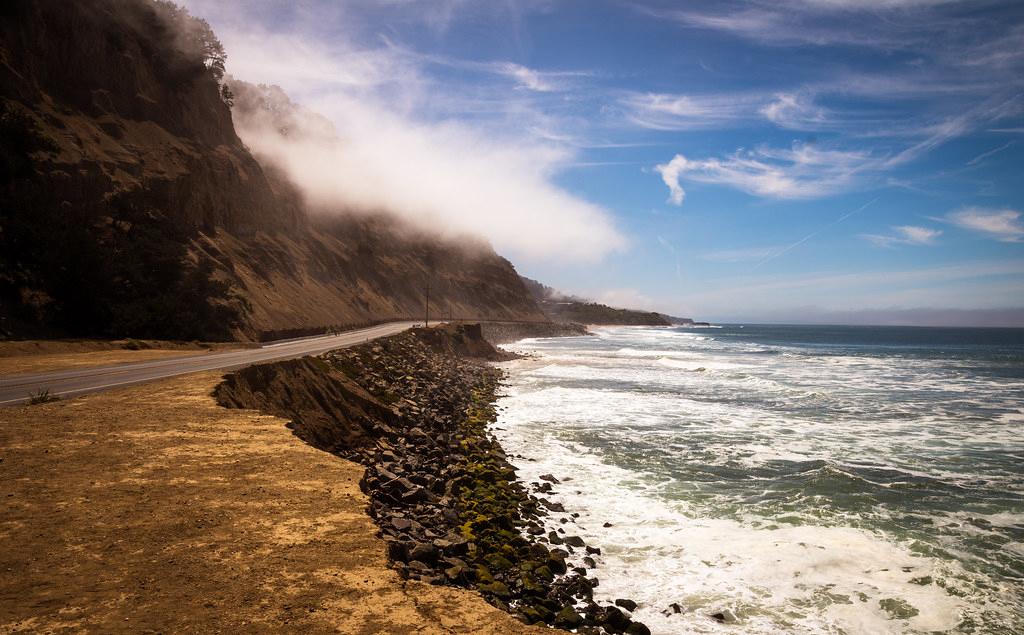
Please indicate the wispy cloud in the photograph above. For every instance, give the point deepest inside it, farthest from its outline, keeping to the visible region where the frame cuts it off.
(1004, 225)
(732, 292)
(984, 155)
(891, 25)
(792, 246)
(801, 171)
(667, 111)
(748, 254)
(957, 126)
(794, 110)
(785, 23)
(809, 171)
(527, 77)
(904, 235)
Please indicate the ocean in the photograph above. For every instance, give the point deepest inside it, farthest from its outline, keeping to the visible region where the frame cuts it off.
(790, 479)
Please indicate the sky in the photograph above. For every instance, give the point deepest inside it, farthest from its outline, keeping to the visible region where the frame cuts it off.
(837, 161)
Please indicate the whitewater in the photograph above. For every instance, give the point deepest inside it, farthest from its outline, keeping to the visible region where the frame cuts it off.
(785, 479)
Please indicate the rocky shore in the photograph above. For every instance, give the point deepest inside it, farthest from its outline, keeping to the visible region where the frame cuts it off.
(415, 409)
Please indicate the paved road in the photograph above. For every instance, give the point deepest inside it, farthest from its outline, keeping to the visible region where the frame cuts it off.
(69, 383)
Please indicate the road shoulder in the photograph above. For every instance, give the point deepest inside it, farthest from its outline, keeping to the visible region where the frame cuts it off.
(153, 508)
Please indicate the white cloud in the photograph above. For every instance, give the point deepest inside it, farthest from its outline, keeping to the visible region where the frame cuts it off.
(1004, 225)
(397, 148)
(670, 176)
(905, 235)
(527, 77)
(802, 171)
(807, 170)
(794, 110)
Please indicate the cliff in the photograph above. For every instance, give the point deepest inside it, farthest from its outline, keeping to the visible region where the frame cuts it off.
(130, 207)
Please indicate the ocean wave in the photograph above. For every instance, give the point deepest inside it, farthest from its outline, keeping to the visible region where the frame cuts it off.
(782, 482)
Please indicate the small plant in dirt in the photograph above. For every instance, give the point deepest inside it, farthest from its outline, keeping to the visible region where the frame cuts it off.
(43, 396)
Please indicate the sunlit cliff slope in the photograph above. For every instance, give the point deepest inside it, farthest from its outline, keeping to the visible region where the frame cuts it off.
(130, 207)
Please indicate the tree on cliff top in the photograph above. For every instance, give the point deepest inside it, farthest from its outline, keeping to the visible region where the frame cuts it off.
(195, 37)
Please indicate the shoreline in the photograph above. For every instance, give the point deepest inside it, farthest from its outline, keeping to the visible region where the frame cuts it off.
(415, 409)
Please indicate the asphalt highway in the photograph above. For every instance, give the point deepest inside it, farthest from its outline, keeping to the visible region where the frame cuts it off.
(69, 383)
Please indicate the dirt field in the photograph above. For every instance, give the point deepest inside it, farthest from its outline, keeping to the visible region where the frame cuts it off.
(152, 509)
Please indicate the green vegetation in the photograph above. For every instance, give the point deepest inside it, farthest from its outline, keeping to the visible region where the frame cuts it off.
(196, 39)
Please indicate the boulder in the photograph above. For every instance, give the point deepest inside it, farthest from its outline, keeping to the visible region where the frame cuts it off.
(568, 618)
(629, 605)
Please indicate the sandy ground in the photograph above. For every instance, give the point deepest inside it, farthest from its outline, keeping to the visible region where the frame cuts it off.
(151, 509)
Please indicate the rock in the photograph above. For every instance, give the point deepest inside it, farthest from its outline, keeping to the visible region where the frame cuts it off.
(589, 562)
(555, 507)
(607, 525)
(452, 545)
(398, 550)
(724, 617)
(544, 573)
(401, 524)
(554, 538)
(568, 618)
(424, 552)
(457, 573)
(496, 588)
(594, 551)
(549, 478)
(638, 628)
(616, 619)
(498, 562)
(574, 541)
(629, 605)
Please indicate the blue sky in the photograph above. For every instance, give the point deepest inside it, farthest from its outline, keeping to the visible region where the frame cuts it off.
(798, 160)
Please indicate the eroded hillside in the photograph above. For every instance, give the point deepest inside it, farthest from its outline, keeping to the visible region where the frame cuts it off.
(130, 207)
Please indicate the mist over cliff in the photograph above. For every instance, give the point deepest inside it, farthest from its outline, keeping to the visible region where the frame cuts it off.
(132, 207)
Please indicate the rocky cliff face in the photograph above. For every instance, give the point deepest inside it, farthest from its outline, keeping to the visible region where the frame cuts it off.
(130, 206)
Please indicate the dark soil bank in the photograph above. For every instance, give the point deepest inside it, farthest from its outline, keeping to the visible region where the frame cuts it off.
(414, 408)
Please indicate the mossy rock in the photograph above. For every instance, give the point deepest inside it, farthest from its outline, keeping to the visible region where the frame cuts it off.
(497, 589)
(498, 562)
(483, 574)
(568, 618)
